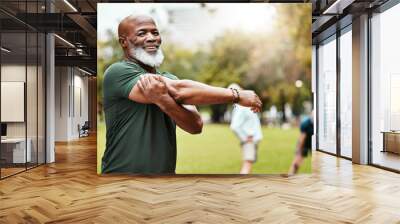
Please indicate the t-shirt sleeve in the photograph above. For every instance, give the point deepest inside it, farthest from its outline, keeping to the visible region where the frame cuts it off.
(121, 79)
(304, 126)
(128, 78)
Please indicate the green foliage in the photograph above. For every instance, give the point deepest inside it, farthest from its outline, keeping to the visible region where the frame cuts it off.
(296, 22)
(183, 62)
(228, 60)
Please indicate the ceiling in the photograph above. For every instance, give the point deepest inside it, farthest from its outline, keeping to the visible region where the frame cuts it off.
(74, 22)
(331, 15)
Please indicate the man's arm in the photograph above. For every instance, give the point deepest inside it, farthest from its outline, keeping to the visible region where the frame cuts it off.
(196, 93)
(185, 116)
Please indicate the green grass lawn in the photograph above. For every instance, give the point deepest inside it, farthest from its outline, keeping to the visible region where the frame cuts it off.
(217, 151)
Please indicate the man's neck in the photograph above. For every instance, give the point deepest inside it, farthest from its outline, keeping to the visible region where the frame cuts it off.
(144, 66)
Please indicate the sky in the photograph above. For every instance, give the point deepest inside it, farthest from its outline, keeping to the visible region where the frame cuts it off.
(190, 24)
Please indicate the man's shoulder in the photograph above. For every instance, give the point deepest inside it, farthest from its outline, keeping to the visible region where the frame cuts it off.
(116, 67)
(113, 68)
(121, 68)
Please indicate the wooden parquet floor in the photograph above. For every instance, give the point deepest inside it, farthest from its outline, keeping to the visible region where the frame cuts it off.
(70, 191)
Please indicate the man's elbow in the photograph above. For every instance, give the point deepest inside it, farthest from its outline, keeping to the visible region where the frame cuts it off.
(197, 127)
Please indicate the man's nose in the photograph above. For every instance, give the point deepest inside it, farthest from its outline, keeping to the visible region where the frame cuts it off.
(150, 37)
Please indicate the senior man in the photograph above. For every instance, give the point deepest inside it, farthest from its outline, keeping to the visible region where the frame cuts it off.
(143, 105)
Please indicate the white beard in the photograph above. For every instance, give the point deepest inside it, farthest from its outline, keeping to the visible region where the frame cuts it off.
(152, 60)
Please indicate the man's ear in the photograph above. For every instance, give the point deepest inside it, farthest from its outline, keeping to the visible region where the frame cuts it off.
(122, 42)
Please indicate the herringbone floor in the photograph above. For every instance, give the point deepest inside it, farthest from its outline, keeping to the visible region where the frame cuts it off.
(70, 191)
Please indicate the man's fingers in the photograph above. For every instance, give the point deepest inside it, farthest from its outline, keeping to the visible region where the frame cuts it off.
(158, 78)
(155, 79)
(152, 77)
(142, 82)
(140, 85)
(257, 106)
(151, 80)
(146, 81)
(259, 103)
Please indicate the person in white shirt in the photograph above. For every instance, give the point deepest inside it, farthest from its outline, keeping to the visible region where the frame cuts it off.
(246, 125)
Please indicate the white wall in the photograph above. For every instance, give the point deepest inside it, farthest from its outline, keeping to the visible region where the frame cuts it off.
(80, 93)
(70, 83)
(61, 103)
(14, 73)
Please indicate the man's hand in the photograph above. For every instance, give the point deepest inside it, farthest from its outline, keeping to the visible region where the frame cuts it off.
(153, 88)
(248, 98)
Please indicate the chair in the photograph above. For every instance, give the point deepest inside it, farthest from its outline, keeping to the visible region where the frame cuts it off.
(84, 130)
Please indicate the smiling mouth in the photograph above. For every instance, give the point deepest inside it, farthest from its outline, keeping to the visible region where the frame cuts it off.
(152, 48)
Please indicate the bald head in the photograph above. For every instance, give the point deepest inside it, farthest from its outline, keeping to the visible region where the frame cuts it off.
(128, 24)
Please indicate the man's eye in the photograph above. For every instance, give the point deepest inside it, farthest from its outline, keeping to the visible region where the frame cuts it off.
(140, 34)
(156, 33)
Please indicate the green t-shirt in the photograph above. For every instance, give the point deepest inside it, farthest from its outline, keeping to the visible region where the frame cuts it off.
(140, 138)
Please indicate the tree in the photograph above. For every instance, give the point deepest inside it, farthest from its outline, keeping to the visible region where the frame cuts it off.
(282, 57)
(182, 62)
(109, 51)
(228, 62)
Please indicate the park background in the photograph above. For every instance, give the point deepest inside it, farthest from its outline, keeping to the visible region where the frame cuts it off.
(263, 47)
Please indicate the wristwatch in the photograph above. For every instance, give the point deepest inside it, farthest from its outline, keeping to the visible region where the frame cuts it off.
(235, 94)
